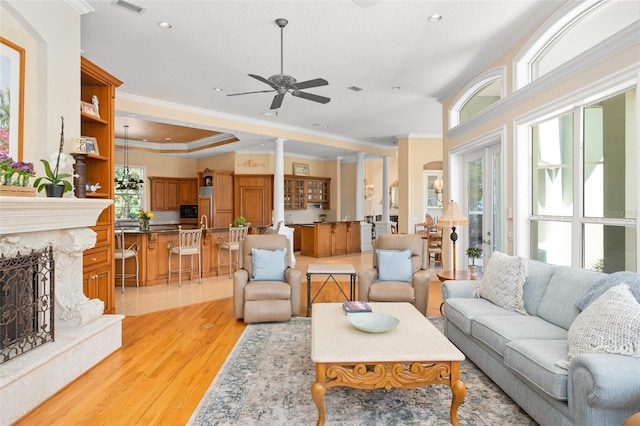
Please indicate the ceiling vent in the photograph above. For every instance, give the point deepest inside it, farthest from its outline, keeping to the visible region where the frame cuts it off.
(355, 88)
(129, 6)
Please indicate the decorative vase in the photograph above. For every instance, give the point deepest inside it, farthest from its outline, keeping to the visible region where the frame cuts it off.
(473, 270)
(144, 224)
(55, 191)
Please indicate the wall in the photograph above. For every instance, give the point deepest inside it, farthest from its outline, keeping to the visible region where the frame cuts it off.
(52, 73)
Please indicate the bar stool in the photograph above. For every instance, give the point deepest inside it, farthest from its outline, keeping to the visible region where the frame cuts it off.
(236, 235)
(188, 245)
(123, 253)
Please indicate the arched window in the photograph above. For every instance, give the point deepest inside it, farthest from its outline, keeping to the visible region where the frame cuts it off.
(577, 27)
(478, 95)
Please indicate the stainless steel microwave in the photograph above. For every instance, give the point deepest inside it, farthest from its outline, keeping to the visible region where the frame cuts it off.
(188, 211)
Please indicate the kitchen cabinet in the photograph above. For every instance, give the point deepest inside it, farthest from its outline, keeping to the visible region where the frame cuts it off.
(300, 191)
(253, 198)
(324, 239)
(188, 191)
(353, 237)
(222, 200)
(98, 264)
(164, 193)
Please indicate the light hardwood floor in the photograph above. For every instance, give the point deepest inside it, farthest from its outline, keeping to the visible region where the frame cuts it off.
(174, 342)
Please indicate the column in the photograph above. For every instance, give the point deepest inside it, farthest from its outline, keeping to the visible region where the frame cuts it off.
(278, 182)
(384, 226)
(360, 187)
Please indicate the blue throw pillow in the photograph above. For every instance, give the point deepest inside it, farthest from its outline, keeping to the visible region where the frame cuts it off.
(268, 265)
(603, 284)
(394, 265)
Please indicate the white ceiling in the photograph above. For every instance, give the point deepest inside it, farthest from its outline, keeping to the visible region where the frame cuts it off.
(375, 45)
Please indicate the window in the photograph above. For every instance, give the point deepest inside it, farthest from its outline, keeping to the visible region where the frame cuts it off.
(579, 27)
(591, 221)
(481, 99)
(129, 201)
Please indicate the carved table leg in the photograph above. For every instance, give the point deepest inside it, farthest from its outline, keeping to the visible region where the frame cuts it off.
(317, 393)
(459, 391)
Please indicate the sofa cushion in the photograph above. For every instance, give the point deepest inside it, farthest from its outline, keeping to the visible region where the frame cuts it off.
(536, 284)
(496, 331)
(567, 284)
(605, 283)
(268, 265)
(534, 361)
(503, 281)
(394, 265)
(611, 324)
(462, 311)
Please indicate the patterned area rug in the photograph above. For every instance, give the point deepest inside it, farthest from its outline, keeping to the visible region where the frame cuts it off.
(266, 380)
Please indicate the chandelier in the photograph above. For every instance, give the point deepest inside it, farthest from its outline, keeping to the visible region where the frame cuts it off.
(127, 181)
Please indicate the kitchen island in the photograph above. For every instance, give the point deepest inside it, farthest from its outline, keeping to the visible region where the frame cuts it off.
(324, 239)
(153, 254)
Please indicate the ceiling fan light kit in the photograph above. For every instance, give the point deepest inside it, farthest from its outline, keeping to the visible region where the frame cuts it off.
(283, 83)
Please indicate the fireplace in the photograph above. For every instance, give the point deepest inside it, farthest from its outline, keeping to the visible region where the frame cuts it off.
(26, 302)
(60, 230)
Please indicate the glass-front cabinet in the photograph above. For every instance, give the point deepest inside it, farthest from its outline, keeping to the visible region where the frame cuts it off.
(300, 191)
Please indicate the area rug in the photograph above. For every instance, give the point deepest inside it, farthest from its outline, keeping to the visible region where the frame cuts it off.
(266, 380)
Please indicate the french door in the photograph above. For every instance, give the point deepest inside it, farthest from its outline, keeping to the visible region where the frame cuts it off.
(483, 200)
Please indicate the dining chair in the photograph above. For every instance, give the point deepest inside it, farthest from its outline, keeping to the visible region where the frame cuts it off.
(188, 245)
(232, 245)
(123, 253)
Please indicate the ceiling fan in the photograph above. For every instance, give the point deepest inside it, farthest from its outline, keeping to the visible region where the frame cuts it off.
(283, 83)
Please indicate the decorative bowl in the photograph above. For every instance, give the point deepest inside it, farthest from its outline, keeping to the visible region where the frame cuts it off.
(372, 322)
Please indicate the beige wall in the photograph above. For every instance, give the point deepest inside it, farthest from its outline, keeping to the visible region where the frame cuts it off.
(52, 73)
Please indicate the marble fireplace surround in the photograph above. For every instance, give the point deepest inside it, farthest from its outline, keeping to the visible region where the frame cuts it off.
(83, 335)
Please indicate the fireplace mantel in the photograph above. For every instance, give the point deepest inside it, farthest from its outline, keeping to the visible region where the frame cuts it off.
(25, 214)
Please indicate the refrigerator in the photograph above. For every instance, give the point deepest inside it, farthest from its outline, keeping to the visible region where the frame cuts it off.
(205, 205)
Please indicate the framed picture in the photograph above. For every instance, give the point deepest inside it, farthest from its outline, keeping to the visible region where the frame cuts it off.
(91, 145)
(300, 169)
(88, 108)
(11, 98)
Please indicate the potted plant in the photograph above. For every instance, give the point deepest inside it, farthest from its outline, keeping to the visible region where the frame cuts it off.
(54, 182)
(473, 253)
(239, 221)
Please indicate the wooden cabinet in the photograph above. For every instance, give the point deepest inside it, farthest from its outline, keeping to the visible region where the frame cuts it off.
(253, 198)
(98, 263)
(300, 191)
(297, 237)
(222, 183)
(164, 193)
(338, 238)
(353, 237)
(188, 191)
(330, 239)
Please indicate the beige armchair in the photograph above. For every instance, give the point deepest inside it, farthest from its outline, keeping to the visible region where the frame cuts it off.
(376, 285)
(258, 295)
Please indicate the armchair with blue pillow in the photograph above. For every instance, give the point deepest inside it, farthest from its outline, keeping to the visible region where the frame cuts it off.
(265, 288)
(398, 274)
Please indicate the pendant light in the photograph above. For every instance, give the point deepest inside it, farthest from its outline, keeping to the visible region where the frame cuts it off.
(127, 181)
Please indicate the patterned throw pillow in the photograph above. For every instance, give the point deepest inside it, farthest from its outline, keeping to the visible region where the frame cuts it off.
(611, 324)
(503, 281)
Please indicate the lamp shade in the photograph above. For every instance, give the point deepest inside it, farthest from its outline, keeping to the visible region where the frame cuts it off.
(452, 216)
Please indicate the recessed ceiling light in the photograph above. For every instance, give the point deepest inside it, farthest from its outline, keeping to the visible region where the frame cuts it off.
(218, 89)
(395, 87)
(267, 113)
(167, 139)
(435, 17)
(164, 25)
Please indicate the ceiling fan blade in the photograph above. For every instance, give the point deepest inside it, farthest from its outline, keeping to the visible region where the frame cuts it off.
(311, 83)
(310, 96)
(264, 80)
(248, 93)
(277, 101)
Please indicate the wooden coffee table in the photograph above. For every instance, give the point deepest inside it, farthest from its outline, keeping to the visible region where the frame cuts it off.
(413, 354)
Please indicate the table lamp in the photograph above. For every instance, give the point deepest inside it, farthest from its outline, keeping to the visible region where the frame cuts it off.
(453, 218)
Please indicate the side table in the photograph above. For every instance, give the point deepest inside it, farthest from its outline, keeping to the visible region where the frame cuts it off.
(330, 270)
(455, 275)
